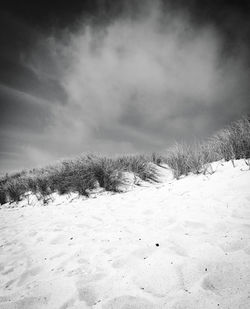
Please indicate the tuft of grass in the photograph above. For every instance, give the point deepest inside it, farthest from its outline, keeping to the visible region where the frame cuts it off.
(72, 176)
(106, 172)
(233, 142)
(15, 189)
(43, 188)
(81, 178)
(3, 196)
(178, 159)
(230, 143)
(156, 158)
(31, 184)
(140, 165)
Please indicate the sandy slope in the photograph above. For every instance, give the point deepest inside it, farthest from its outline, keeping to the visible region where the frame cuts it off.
(102, 253)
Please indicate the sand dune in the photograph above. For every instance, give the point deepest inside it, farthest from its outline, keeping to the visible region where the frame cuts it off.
(178, 244)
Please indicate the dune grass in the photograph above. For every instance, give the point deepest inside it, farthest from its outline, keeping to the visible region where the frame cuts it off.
(85, 173)
(80, 175)
(231, 143)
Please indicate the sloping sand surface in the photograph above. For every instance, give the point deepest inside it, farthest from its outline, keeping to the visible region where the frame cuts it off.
(178, 244)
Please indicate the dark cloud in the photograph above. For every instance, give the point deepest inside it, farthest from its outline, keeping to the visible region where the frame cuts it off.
(21, 111)
(118, 76)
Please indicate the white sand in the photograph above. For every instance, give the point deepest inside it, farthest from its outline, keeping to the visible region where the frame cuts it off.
(102, 253)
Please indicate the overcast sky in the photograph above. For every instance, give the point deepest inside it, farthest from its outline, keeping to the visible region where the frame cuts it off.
(117, 76)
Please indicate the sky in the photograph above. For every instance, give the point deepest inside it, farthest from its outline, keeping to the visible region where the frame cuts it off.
(115, 76)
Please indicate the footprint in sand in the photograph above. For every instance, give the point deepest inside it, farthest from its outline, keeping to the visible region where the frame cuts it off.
(127, 301)
(226, 279)
(157, 276)
(208, 285)
(29, 273)
(87, 295)
(191, 273)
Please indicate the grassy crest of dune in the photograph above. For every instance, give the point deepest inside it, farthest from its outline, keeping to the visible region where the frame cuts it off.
(85, 173)
(79, 175)
(230, 143)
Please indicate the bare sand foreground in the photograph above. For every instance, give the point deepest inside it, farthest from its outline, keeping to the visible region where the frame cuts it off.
(179, 244)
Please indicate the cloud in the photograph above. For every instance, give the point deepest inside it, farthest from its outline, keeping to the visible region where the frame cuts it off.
(152, 75)
(134, 85)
